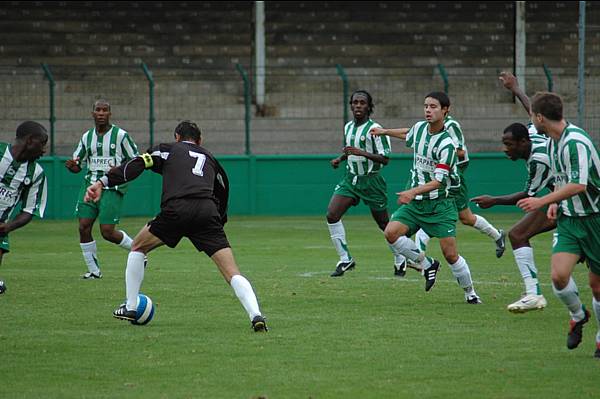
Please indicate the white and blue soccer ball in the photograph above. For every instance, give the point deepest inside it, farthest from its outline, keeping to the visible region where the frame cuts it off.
(144, 310)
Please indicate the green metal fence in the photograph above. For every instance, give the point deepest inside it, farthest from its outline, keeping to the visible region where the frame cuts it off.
(305, 107)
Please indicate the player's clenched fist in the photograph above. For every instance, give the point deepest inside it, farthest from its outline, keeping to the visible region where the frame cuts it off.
(93, 192)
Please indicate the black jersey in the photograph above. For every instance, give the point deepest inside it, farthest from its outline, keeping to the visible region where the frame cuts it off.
(189, 171)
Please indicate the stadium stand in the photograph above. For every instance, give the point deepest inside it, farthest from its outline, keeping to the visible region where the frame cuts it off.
(393, 49)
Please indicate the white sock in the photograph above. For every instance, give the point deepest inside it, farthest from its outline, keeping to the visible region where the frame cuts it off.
(486, 228)
(461, 272)
(570, 297)
(89, 256)
(406, 247)
(399, 259)
(596, 307)
(134, 275)
(421, 240)
(126, 241)
(338, 237)
(245, 294)
(526, 264)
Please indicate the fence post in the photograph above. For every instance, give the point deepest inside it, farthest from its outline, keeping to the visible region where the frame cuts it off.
(248, 151)
(444, 77)
(342, 73)
(151, 119)
(247, 103)
(549, 78)
(581, 67)
(52, 119)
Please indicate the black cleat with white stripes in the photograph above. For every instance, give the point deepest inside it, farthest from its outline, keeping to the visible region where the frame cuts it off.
(430, 274)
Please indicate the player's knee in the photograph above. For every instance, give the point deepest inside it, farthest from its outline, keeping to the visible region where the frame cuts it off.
(467, 219)
(108, 232)
(559, 280)
(332, 217)
(516, 237)
(382, 225)
(451, 256)
(85, 229)
(391, 235)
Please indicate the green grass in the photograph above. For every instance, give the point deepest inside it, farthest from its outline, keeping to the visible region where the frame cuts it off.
(365, 335)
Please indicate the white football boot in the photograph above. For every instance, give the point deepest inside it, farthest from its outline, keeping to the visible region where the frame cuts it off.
(527, 303)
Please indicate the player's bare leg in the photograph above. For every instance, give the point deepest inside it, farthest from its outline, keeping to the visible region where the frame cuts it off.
(119, 237)
(225, 262)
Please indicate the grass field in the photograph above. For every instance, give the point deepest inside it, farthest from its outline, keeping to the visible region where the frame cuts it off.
(365, 335)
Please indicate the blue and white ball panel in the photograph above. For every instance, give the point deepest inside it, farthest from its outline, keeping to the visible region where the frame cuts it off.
(144, 310)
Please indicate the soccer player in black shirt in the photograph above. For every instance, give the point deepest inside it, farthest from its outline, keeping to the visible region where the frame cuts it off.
(194, 199)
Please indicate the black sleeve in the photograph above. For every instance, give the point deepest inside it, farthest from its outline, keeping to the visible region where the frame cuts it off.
(126, 172)
(221, 191)
(130, 170)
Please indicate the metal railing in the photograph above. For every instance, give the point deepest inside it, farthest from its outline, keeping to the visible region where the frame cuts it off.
(304, 109)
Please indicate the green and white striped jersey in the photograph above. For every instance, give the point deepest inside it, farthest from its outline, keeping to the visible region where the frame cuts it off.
(102, 152)
(23, 182)
(453, 128)
(539, 170)
(574, 159)
(359, 137)
(434, 159)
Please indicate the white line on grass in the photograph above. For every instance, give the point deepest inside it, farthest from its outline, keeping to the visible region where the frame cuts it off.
(413, 280)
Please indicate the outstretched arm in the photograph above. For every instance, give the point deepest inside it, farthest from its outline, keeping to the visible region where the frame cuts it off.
(118, 175)
(399, 133)
(510, 82)
(488, 201)
(373, 157)
(567, 191)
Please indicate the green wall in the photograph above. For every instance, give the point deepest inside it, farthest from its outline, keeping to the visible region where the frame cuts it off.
(282, 184)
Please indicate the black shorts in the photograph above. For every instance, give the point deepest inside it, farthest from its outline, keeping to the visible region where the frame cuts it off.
(197, 219)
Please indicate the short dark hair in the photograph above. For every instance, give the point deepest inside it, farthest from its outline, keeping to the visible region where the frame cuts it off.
(31, 128)
(518, 130)
(441, 97)
(550, 105)
(188, 130)
(369, 99)
(100, 101)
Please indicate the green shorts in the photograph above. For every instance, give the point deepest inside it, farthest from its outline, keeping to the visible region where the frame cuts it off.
(461, 193)
(436, 217)
(372, 189)
(107, 210)
(579, 236)
(4, 243)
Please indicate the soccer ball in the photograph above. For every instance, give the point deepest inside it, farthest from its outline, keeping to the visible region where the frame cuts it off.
(2, 287)
(144, 310)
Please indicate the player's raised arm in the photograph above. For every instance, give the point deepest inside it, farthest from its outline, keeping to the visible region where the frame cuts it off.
(510, 82)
